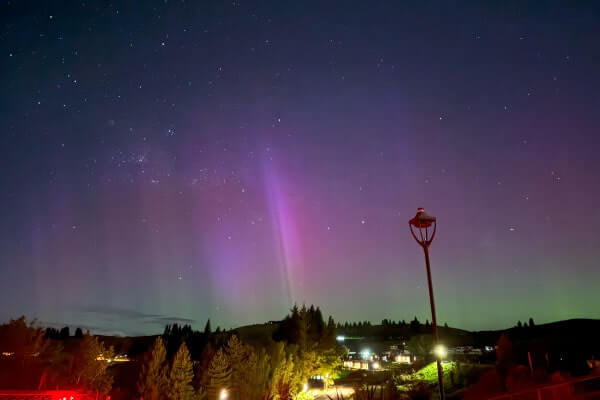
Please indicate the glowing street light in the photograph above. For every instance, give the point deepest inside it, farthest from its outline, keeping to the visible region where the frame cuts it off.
(440, 351)
(422, 223)
(305, 387)
(365, 354)
(223, 395)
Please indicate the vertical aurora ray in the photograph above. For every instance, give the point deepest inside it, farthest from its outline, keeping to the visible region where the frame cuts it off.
(284, 229)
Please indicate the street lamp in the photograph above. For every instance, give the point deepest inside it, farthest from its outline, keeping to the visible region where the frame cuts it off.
(440, 351)
(223, 395)
(425, 226)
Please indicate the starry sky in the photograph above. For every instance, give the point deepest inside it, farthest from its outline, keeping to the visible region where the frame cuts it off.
(173, 161)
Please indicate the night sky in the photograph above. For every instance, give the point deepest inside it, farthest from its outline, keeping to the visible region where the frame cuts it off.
(171, 161)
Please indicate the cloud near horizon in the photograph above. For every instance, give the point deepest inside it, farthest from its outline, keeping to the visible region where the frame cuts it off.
(116, 321)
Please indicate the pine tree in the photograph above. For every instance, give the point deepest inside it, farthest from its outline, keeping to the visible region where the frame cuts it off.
(207, 330)
(283, 378)
(415, 325)
(202, 378)
(181, 376)
(238, 356)
(315, 324)
(301, 327)
(219, 375)
(64, 333)
(152, 379)
(259, 377)
(87, 370)
(531, 323)
(250, 371)
(329, 336)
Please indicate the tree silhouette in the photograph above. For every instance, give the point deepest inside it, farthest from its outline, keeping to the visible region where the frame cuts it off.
(52, 333)
(284, 379)
(64, 333)
(420, 345)
(219, 375)
(78, 333)
(258, 376)
(207, 330)
(181, 376)
(329, 335)
(203, 378)
(238, 358)
(315, 324)
(87, 369)
(415, 325)
(531, 323)
(23, 340)
(152, 379)
(293, 329)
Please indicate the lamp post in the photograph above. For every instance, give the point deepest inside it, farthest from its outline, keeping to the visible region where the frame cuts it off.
(422, 223)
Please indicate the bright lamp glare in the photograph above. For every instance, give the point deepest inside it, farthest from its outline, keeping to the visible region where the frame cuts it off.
(440, 351)
(366, 353)
(375, 365)
(223, 394)
(305, 387)
(341, 338)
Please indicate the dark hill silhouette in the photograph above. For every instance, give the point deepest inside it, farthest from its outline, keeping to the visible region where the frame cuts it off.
(579, 330)
(574, 336)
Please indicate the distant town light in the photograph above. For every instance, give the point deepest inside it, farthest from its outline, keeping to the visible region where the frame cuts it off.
(340, 338)
(440, 351)
(375, 365)
(223, 394)
(365, 354)
(402, 358)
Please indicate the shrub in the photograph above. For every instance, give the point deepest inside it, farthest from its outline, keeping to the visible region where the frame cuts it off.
(419, 391)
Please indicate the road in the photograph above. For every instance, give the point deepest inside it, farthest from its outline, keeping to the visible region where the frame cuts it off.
(343, 391)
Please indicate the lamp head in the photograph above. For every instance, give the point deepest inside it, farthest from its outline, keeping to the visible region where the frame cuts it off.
(422, 219)
(440, 351)
(419, 227)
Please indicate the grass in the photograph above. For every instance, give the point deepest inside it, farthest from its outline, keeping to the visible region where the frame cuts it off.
(428, 373)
